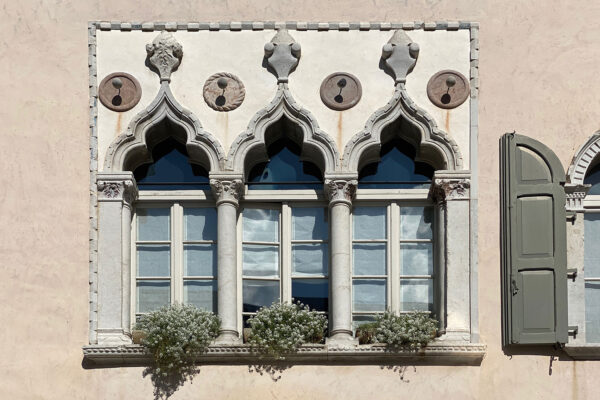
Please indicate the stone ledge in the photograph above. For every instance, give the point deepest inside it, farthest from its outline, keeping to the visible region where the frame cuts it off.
(583, 352)
(434, 354)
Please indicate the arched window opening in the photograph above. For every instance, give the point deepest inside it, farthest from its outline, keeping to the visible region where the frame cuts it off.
(593, 178)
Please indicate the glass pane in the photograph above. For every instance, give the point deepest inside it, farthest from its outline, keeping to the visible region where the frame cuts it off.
(592, 250)
(369, 258)
(200, 260)
(257, 294)
(202, 294)
(592, 312)
(369, 222)
(261, 225)
(260, 260)
(310, 259)
(369, 294)
(153, 260)
(309, 223)
(152, 295)
(415, 222)
(417, 258)
(200, 223)
(312, 292)
(416, 295)
(359, 320)
(153, 223)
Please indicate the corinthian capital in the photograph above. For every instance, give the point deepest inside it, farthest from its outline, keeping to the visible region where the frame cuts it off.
(340, 190)
(227, 190)
(165, 54)
(116, 187)
(450, 186)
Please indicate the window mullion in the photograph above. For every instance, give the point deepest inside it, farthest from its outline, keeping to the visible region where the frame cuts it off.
(177, 253)
(394, 257)
(133, 270)
(285, 252)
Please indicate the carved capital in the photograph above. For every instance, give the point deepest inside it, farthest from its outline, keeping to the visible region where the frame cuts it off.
(227, 191)
(444, 189)
(340, 190)
(400, 56)
(165, 54)
(575, 194)
(124, 190)
(282, 54)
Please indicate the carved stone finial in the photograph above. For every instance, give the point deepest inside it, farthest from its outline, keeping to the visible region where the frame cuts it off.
(400, 55)
(227, 190)
(575, 194)
(165, 54)
(282, 54)
(340, 190)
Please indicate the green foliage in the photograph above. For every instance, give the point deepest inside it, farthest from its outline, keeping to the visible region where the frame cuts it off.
(366, 332)
(282, 328)
(175, 336)
(411, 330)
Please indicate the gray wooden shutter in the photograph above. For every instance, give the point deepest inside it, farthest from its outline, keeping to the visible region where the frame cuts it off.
(534, 251)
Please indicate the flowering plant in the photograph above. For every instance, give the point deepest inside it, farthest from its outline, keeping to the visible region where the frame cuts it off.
(283, 327)
(412, 330)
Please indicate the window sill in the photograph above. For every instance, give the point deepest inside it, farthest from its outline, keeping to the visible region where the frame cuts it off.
(434, 354)
(583, 351)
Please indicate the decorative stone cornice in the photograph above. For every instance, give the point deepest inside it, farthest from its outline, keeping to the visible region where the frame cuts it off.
(282, 54)
(165, 53)
(450, 186)
(117, 187)
(575, 194)
(400, 55)
(340, 190)
(227, 190)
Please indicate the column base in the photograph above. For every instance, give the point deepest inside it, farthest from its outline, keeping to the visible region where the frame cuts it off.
(228, 337)
(342, 339)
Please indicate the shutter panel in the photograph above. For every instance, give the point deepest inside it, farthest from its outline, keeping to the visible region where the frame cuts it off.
(534, 253)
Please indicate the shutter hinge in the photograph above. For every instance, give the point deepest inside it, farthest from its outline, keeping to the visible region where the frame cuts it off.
(571, 273)
(571, 216)
(515, 289)
(573, 330)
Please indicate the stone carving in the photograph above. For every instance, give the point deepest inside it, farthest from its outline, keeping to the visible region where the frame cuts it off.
(450, 189)
(282, 54)
(227, 190)
(448, 89)
(575, 195)
(165, 54)
(584, 159)
(400, 55)
(340, 189)
(124, 190)
(224, 92)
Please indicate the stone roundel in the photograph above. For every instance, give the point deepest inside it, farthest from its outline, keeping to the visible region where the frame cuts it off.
(224, 91)
(341, 91)
(448, 89)
(119, 91)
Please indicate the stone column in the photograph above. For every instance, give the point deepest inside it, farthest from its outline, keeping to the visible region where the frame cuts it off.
(450, 190)
(340, 193)
(116, 193)
(227, 191)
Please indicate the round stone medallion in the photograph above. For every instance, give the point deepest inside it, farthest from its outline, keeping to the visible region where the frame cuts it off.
(448, 89)
(119, 91)
(224, 92)
(341, 91)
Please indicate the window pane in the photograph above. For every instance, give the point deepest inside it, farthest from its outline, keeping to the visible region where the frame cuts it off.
(592, 312)
(202, 294)
(417, 258)
(261, 225)
(415, 222)
(200, 260)
(369, 294)
(359, 320)
(152, 295)
(592, 250)
(309, 223)
(153, 223)
(200, 223)
(260, 260)
(257, 294)
(312, 292)
(416, 295)
(153, 260)
(369, 258)
(310, 259)
(369, 222)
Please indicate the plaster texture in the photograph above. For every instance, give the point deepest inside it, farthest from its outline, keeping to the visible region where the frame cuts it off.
(538, 76)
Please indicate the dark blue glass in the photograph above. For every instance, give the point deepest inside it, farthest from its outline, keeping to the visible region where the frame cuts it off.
(285, 170)
(312, 292)
(397, 169)
(593, 178)
(171, 169)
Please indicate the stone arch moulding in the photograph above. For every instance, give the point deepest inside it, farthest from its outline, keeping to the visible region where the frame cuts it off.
(130, 149)
(435, 146)
(583, 160)
(250, 146)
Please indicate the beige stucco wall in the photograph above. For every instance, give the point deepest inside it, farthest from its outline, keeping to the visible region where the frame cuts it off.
(538, 76)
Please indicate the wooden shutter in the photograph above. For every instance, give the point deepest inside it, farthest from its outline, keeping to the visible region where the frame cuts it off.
(534, 251)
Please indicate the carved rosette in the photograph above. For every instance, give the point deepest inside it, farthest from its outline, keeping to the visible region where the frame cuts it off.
(125, 190)
(340, 190)
(165, 54)
(282, 54)
(575, 194)
(445, 189)
(227, 191)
